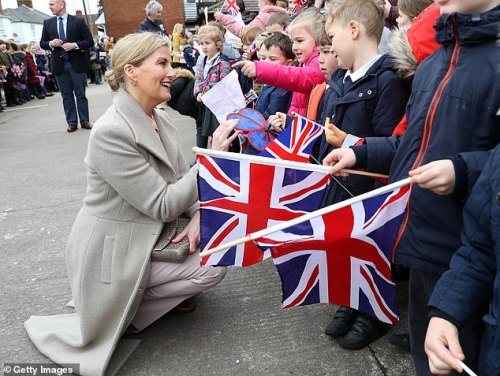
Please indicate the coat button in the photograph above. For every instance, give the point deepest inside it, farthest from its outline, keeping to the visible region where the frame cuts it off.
(360, 95)
(369, 92)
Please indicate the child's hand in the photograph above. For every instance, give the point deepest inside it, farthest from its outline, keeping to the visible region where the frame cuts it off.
(198, 97)
(218, 15)
(277, 122)
(334, 136)
(436, 176)
(247, 68)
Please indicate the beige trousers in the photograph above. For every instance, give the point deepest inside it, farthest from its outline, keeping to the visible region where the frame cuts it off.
(170, 284)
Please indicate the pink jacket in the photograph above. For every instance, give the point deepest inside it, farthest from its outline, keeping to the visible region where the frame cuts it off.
(300, 80)
(260, 21)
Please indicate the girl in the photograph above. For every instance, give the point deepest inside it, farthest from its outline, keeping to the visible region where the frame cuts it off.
(300, 80)
(210, 69)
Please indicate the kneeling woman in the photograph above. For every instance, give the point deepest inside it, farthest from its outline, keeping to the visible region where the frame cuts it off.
(137, 180)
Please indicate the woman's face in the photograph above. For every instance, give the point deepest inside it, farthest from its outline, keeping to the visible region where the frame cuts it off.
(154, 77)
(156, 15)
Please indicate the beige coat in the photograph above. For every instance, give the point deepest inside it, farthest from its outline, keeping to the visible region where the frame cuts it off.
(133, 187)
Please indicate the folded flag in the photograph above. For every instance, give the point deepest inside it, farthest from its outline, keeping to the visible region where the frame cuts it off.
(231, 8)
(238, 197)
(347, 260)
(296, 141)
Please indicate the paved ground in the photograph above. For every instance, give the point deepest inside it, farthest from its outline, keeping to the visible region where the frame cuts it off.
(238, 328)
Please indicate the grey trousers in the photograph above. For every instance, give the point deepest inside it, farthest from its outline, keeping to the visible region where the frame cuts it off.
(170, 284)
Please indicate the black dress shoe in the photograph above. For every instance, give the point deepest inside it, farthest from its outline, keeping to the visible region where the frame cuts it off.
(341, 322)
(71, 128)
(49, 94)
(364, 330)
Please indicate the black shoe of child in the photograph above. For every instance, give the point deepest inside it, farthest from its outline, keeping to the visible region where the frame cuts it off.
(341, 322)
(364, 330)
(401, 340)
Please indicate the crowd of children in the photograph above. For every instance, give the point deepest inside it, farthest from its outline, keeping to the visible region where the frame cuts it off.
(439, 120)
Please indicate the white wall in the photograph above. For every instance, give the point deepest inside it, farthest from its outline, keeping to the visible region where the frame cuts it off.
(5, 28)
(26, 32)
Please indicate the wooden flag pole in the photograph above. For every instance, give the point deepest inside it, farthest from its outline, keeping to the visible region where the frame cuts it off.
(308, 216)
(279, 162)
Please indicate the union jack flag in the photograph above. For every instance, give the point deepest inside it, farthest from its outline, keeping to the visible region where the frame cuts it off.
(230, 7)
(347, 261)
(296, 141)
(297, 5)
(241, 197)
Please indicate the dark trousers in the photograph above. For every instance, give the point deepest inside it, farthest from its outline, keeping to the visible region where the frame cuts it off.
(72, 86)
(420, 288)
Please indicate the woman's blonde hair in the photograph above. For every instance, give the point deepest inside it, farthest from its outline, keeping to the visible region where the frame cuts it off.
(132, 49)
(178, 28)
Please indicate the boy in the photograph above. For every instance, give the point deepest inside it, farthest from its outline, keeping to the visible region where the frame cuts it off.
(452, 113)
(277, 22)
(366, 98)
(276, 49)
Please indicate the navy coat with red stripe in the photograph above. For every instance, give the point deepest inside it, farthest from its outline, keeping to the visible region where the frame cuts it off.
(452, 111)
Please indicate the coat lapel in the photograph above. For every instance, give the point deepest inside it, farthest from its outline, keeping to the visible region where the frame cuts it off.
(144, 133)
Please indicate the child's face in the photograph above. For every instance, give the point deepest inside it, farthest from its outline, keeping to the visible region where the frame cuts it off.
(342, 47)
(208, 46)
(245, 46)
(262, 53)
(274, 28)
(275, 55)
(327, 61)
(465, 6)
(403, 19)
(32, 48)
(303, 44)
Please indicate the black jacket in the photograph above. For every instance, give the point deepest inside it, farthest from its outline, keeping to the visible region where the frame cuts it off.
(452, 112)
(152, 27)
(182, 92)
(76, 32)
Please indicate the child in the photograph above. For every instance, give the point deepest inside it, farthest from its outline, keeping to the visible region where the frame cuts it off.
(299, 79)
(277, 22)
(366, 97)
(266, 9)
(209, 71)
(275, 49)
(452, 113)
(471, 282)
(409, 9)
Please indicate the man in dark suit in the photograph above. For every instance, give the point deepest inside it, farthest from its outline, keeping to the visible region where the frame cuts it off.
(68, 37)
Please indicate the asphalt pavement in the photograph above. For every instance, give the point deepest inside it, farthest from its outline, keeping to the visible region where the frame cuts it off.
(239, 327)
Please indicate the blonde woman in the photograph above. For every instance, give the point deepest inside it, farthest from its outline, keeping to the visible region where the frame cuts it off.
(178, 39)
(137, 180)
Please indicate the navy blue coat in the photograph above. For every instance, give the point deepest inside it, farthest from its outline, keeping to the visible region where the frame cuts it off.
(272, 100)
(452, 110)
(76, 32)
(473, 281)
(372, 106)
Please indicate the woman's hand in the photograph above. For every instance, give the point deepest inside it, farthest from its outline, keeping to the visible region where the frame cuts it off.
(334, 136)
(277, 122)
(248, 68)
(437, 176)
(339, 159)
(443, 347)
(221, 138)
(192, 231)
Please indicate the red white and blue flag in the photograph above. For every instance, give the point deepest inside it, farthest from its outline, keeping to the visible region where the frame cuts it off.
(230, 7)
(347, 260)
(239, 197)
(297, 5)
(296, 141)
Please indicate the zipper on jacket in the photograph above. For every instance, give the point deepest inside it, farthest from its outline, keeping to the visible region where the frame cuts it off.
(428, 124)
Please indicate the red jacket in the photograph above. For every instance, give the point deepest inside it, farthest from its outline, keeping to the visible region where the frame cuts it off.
(32, 71)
